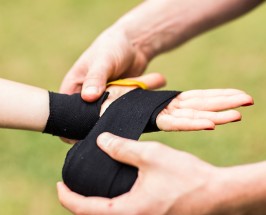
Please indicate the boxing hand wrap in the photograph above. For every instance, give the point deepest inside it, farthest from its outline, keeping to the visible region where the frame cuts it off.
(91, 172)
(71, 117)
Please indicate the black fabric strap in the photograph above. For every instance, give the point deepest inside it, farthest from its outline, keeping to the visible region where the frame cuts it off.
(71, 117)
(91, 172)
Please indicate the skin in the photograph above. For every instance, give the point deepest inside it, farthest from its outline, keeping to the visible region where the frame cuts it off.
(173, 182)
(23, 106)
(126, 48)
(191, 110)
(186, 112)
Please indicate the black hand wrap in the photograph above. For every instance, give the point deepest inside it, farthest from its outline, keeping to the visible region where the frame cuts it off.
(91, 172)
(71, 117)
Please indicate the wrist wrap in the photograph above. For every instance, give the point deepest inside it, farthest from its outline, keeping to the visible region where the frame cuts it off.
(91, 172)
(71, 117)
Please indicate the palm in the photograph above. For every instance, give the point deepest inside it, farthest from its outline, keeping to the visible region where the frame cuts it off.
(191, 110)
(202, 109)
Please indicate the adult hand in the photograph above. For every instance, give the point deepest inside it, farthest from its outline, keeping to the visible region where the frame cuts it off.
(151, 28)
(173, 182)
(169, 182)
(110, 57)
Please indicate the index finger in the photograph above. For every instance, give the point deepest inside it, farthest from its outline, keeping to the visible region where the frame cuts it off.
(79, 204)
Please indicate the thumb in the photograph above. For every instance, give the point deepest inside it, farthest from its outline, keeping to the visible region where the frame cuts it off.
(95, 81)
(121, 149)
(93, 87)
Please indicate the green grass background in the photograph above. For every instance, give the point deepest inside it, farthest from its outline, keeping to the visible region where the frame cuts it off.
(40, 40)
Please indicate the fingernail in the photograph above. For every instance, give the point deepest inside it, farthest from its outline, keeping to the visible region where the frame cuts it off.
(105, 139)
(248, 104)
(91, 90)
(209, 129)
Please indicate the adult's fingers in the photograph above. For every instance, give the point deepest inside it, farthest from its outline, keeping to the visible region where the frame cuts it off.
(95, 81)
(79, 204)
(69, 141)
(152, 80)
(71, 84)
(70, 200)
(122, 149)
(107, 60)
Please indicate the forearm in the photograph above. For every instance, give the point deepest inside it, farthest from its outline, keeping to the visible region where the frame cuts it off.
(159, 25)
(243, 190)
(23, 106)
(238, 190)
(31, 108)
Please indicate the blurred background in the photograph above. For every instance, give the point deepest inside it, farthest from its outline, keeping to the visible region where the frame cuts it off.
(39, 42)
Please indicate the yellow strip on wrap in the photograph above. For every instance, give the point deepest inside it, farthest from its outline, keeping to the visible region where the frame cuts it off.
(128, 82)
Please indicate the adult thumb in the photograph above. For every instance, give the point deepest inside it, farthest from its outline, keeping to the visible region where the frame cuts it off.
(93, 87)
(121, 149)
(95, 82)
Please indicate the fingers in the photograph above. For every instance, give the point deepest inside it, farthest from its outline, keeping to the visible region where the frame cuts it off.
(212, 100)
(121, 149)
(195, 109)
(152, 80)
(69, 199)
(70, 84)
(78, 204)
(192, 120)
(95, 81)
(69, 141)
(209, 93)
(170, 123)
(217, 118)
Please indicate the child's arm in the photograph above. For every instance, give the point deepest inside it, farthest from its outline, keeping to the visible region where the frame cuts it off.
(29, 108)
(23, 106)
(191, 110)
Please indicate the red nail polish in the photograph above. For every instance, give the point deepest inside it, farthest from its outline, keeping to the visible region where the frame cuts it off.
(209, 129)
(248, 104)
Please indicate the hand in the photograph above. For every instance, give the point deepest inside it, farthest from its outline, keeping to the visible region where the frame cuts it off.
(191, 110)
(201, 109)
(173, 182)
(125, 49)
(110, 57)
(168, 182)
(153, 81)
